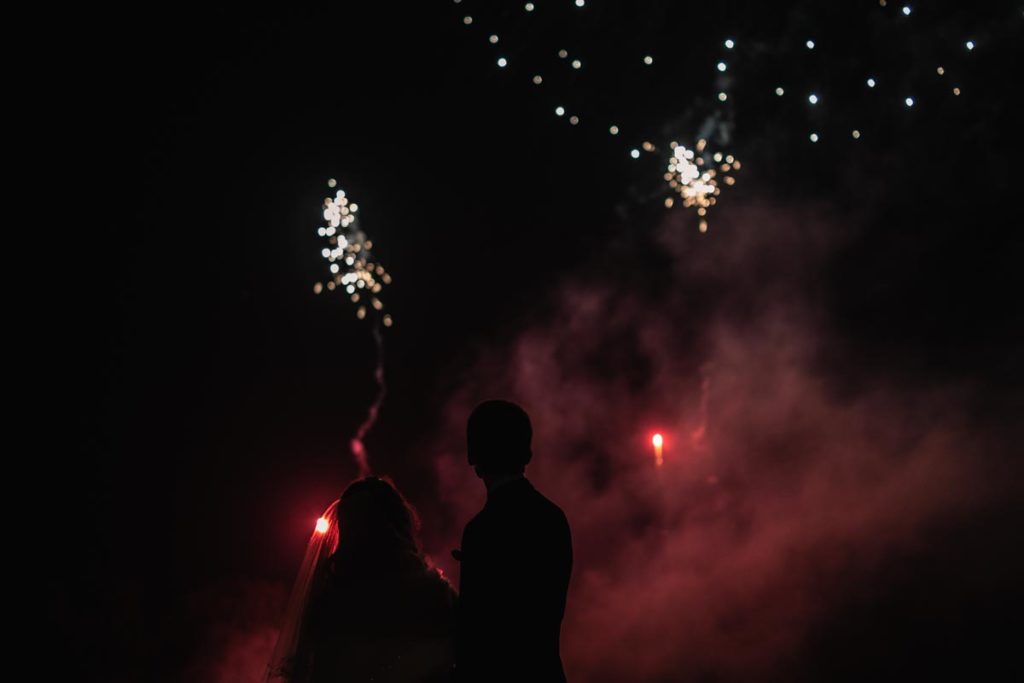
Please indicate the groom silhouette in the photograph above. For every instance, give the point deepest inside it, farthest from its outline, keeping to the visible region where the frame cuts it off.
(516, 560)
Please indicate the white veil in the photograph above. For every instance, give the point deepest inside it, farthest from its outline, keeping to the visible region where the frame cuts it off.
(286, 662)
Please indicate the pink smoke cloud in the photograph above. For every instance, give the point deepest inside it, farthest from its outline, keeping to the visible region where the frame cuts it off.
(237, 623)
(789, 478)
(793, 478)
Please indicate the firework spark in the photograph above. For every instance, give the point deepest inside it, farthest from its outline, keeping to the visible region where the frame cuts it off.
(697, 176)
(350, 257)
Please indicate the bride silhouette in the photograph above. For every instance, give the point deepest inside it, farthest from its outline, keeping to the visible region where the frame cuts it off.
(366, 605)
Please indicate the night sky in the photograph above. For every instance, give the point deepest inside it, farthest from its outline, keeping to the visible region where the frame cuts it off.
(853, 301)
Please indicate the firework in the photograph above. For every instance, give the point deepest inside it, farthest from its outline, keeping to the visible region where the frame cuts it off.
(353, 270)
(350, 257)
(697, 176)
(658, 441)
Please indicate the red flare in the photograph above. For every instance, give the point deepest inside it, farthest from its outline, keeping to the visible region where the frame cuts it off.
(658, 441)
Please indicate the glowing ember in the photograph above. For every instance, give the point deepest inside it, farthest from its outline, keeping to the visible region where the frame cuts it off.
(322, 525)
(658, 441)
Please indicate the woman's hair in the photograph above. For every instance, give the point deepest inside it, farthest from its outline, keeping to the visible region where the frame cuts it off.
(373, 515)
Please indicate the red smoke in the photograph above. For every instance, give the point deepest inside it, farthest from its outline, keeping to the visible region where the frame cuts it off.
(799, 478)
(796, 476)
(237, 623)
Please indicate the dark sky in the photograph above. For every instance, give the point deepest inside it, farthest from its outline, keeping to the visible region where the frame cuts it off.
(206, 396)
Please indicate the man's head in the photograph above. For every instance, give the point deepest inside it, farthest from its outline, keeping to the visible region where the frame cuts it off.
(498, 437)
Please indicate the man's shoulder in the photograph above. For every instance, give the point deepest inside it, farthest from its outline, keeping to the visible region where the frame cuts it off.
(477, 522)
(527, 507)
(547, 507)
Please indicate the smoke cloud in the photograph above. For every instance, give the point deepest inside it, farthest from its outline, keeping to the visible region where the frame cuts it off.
(798, 478)
(236, 624)
(793, 478)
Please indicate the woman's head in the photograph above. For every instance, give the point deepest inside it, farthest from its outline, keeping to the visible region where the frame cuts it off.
(371, 513)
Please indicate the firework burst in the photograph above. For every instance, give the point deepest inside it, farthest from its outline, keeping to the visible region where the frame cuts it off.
(697, 176)
(350, 257)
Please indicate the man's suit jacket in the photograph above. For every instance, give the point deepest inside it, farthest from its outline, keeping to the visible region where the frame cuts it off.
(516, 561)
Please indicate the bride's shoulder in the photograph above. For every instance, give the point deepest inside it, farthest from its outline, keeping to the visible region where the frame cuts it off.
(439, 584)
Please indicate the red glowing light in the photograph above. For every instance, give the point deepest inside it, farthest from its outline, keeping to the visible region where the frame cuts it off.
(322, 525)
(658, 441)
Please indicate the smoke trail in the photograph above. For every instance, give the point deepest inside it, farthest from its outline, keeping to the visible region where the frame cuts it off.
(358, 447)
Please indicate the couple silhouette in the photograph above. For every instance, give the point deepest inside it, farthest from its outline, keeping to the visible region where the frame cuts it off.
(376, 611)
